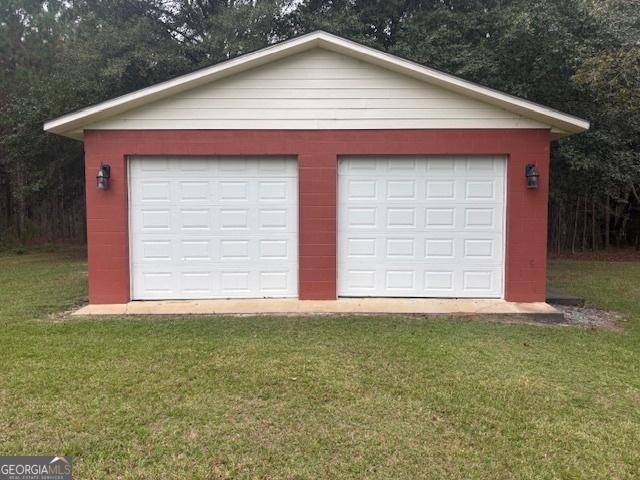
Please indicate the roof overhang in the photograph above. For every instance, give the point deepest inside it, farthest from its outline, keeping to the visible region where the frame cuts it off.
(73, 124)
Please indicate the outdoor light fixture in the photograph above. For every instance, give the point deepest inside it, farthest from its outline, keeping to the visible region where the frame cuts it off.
(102, 178)
(532, 176)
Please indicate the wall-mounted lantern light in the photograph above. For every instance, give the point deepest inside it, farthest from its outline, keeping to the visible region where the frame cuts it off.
(102, 178)
(532, 176)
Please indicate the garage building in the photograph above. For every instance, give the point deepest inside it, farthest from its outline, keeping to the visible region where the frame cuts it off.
(316, 168)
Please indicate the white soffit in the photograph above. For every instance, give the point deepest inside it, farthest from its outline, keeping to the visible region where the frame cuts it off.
(72, 124)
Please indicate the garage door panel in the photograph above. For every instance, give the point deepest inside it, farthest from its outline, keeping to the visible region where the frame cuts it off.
(422, 204)
(478, 218)
(196, 166)
(202, 220)
(156, 283)
(421, 226)
(197, 284)
(194, 249)
(481, 190)
(398, 189)
(436, 166)
(474, 247)
(212, 194)
(384, 220)
(437, 280)
(176, 247)
(217, 281)
(203, 282)
(213, 228)
(482, 249)
(400, 248)
(401, 217)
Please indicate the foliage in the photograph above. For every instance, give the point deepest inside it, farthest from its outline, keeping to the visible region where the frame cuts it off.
(579, 56)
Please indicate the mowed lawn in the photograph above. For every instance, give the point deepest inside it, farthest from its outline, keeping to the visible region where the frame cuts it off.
(294, 398)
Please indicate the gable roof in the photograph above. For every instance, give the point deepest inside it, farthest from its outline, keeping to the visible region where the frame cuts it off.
(72, 124)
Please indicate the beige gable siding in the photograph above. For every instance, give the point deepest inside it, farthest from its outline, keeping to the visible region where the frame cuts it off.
(317, 89)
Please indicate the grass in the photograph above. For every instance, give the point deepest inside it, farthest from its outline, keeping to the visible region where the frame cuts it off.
(317, 397)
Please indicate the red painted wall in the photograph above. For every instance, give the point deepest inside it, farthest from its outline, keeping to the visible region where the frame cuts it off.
(317, 152)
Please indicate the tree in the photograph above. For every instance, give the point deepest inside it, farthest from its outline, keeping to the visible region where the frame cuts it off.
(579, 56)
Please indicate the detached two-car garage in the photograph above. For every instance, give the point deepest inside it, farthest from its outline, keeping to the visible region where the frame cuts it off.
(316, 168)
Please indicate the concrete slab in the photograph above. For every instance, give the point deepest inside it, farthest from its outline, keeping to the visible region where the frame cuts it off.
(262, 306)
(107, 309)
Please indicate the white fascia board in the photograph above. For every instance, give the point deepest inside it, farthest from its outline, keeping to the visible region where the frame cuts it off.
(561, 124)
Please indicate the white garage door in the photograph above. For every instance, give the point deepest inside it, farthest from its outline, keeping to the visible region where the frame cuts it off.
(213, 227)
(421, 227)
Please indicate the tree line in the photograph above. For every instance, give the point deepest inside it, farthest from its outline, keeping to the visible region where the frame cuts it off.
(579, 56)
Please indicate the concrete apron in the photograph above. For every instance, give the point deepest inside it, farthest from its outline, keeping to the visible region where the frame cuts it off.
(422, 306)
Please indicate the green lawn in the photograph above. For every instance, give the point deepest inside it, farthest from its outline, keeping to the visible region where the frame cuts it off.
(317, 397)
